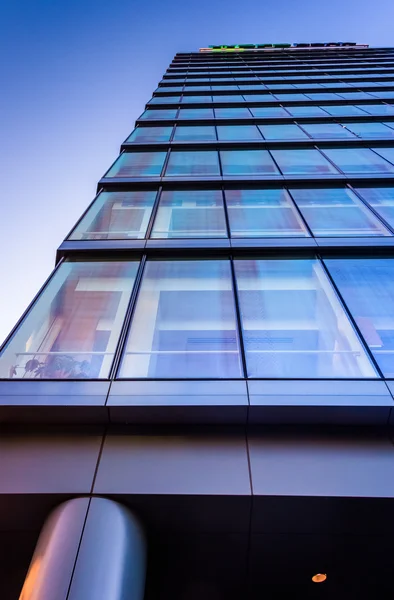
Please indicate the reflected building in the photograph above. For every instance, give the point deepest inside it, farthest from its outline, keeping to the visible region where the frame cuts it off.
(198, 402)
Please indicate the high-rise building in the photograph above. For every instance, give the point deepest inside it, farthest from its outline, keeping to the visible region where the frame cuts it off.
(197, 404)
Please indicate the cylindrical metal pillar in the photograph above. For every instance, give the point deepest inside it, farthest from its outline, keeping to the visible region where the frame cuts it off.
(89, 549)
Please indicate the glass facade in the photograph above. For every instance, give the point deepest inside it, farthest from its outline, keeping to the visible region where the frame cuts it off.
(73, 329)
(245, 230)
(116, 216)
(190, 214)
(293, 323)
(184, 325)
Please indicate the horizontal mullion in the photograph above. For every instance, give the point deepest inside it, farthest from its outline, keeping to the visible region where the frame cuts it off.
(264, 120)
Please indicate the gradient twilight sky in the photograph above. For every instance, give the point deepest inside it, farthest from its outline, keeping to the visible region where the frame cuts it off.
(76, 74)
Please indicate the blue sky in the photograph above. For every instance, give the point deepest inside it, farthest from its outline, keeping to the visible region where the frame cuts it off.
(76, 74)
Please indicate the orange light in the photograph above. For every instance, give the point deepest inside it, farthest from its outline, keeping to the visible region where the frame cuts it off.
(319, 578)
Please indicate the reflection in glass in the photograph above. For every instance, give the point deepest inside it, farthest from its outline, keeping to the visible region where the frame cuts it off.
(232, 113)
(73, 329)
(370, 130)
(336, 211)
(367, 287)
(293, 323)
(268, 111)
(137, 164)
(303, 162)
(195, 113)
(247, 162)
(190, 214)
(387, 153)
(327, 131)
(193, 163)
(184, 322)
(377, 109)
(150, 134)
(306, 111)
(157, 113)
(239, 132)
(345, 110)
(195, 99)
(354, 161)
(165, 100)
(263, 213)
(194, 133)
(116, 216)
(381, 199)
(282, 132)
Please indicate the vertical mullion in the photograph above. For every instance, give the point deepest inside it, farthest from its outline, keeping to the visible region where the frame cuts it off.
(239, 319)
(153, 213)
(127, 320)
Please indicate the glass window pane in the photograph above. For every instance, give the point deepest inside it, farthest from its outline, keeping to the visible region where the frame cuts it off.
(358, 95)
(165, 100)
(381, 199)
(217, 88)
(196, 133)
(247, 162)
(358, 160)
(116, 216)
(282, 132)
(157, 113)
(293, 323)
(190, 214)
(193, 163)
(387, 153)
(150, 134)
(377, 109)
(383, 94)
(262, 213)
(259, 97)
(347, 110)
(324, 96)
(191, 99)
(239, 132)
(367, 287)
(73, 329)
(228, 98)
(327, 131)
(164, 89)
(195, 113)
(137, 164)
(335, 212)
(303, 162)
(306, 111)
(184, 323)
(232, 113)
(370, 130)
(291, 97)
(268, 111)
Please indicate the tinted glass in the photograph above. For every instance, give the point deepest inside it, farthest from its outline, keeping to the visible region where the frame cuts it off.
(358, 160)
(165, 100)
(193, 163)
(165, 113)
(191, 99)
(195, 113)
(387, 153)
(346, 110)
(367, 287)
(282, 132)
(268, 111)
(196, 133)
(239, 132)
(73, 329)
(232, 113)
(184, 323)
(259, 98)
(228, 98)
(116, 216)
(262, 213)
(293, 323)
(291, 97)
(377, 109)
(306, 111)
(150, 134)
(190, 214)
(327, 131)
(335, 212)
(137, 164)
(303, 162)
(370, 130)
(382, 200)
(247, 162)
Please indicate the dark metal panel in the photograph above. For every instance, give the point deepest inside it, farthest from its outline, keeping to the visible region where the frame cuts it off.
(178, 402)
(48, 463)
(319, 401)
(187, 463)
(321, 463)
